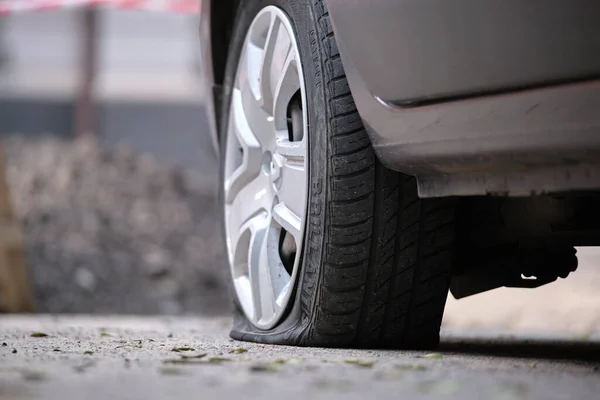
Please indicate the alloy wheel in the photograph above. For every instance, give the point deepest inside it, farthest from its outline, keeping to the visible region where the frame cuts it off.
(265, 182)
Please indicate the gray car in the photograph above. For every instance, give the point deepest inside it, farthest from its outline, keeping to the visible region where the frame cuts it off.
(377, 154)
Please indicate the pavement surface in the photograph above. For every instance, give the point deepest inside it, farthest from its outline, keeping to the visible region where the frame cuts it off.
(152, 358)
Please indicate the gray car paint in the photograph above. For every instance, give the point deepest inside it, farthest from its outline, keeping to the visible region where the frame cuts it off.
(516, 143)
(417, 50)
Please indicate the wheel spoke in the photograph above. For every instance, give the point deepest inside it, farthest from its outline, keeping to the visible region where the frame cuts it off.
(253, 199)
(240, 123)
(236, 182)
(293, 152)
(244, 289)
(292, 191)
(266, 95)
(277, 48)
(259, 121)
(263, 299)
(255, 257)
(257, 124)
(289, 220)
(251, 150)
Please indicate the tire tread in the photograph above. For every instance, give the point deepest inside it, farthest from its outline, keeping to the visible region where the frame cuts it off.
(402, 263)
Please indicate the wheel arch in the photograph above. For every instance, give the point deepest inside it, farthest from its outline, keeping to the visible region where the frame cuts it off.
(222, 18)
(222, 14)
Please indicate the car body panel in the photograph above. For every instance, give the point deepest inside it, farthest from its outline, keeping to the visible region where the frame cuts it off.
(411, 51)
(513, 142)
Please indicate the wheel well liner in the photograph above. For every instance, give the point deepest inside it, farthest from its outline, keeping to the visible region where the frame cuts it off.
(222, 19)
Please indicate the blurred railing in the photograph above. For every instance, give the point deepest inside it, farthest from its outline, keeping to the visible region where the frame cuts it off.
(87, 36)
(175, 6)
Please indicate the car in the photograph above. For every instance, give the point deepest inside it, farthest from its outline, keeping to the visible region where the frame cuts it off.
(377, 155)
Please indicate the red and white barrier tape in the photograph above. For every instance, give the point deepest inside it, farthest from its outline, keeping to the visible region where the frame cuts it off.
(172, 6)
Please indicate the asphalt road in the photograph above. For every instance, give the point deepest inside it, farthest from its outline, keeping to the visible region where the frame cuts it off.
(134, 358)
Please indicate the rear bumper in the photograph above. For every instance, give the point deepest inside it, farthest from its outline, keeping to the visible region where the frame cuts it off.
(457, 134)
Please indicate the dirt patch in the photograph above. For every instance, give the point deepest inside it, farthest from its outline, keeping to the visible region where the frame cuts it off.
(116, 231)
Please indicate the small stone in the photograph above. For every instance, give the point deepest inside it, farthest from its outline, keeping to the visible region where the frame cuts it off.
(85, 279)
(156, 263)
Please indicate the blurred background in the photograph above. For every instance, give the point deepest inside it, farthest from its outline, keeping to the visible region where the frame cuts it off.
(122, 220)
(122, 217)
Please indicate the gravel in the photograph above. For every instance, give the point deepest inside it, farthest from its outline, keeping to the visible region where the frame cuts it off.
(116, 231)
